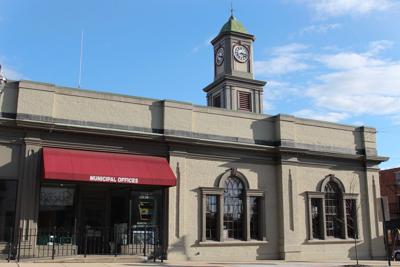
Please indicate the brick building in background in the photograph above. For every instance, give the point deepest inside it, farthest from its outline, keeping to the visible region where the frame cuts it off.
(390, 186)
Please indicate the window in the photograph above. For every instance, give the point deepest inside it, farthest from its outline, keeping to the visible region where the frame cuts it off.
(332, 212)
(351, 217)
(333, 218)
(8, 194)
(397, 178)
(244, 101)
(231, 211)
(211, 218)
(316, 213)
(254, 218)
(56, 207)
(217, 101)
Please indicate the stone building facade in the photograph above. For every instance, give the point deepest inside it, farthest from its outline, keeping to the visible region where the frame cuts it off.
(246, 185)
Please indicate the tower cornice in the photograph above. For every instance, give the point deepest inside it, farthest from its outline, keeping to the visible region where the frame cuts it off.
(232, 80)
(235, 34)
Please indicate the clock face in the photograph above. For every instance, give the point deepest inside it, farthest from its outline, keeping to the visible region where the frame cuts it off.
(241, 53)
(219, 56)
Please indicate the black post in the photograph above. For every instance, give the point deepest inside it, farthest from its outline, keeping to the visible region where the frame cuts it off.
(155, 245)
(84, 253)
(19, 243)
(355, 246)
(385, 233)
(115, 240)
(145, 241)
(53, 250)
(10, 245)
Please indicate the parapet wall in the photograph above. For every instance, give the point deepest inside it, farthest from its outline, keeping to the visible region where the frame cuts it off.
(47, 103)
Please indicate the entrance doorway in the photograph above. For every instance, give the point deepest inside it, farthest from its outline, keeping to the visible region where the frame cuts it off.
(108, 219)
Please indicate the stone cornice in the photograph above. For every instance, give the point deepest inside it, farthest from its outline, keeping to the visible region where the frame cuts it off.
(233, 80)
(183, 137)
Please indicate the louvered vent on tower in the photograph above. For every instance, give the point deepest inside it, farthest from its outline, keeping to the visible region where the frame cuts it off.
(244, 101)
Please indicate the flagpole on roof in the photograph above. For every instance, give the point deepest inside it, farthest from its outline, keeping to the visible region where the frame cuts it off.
(80, 62)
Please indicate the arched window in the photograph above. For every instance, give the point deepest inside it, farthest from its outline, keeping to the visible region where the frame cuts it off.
(233, 208)
(332, 211)
(333, 203)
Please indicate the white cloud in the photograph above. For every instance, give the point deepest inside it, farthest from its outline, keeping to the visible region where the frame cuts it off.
(279, 65)
(344, 7)
(10, 73)
(348, 60)
(289, 49)
(359, 83)
(347, 83)
(320, 115)
(320, 29)
(279, 90)
(378, 46)
(285, 59)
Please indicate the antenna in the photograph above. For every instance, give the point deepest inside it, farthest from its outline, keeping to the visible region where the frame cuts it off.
(80, 62)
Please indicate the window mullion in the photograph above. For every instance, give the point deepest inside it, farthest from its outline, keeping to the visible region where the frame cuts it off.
(344, 216)
(262, 220)
(310, 221)
(323, 219)
(203, 226)
(246, 228)
(221, 217)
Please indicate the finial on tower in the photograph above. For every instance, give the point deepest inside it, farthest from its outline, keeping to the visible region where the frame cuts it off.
(232, 9)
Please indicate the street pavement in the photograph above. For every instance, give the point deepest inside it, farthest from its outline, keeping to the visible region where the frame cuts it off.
(200, 264)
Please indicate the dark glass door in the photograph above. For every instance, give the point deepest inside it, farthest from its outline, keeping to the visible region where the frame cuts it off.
(93, 222)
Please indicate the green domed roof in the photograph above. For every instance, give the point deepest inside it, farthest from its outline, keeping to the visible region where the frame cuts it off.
(233, 25)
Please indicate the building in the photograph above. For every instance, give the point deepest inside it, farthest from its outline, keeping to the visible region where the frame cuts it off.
(390, 187)
(216, 182)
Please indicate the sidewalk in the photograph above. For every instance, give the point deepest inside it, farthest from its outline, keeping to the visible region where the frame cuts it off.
(202, 264)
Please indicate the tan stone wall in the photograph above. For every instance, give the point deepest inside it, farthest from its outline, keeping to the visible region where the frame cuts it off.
(234, 124)
(107, 109)
(323, 136)
(35, 99)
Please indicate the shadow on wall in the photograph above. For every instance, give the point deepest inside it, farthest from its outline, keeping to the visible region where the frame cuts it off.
(10, 98)
(363, 247)
(264, 132)
(25, 192)
(179, 247)
(157, 117)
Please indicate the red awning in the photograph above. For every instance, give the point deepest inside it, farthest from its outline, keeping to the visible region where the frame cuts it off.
(102, 167)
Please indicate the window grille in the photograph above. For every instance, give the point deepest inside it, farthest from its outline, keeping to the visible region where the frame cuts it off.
(254, 215)
(233, 209)
(351, 216)
(316, 214)
(211, 217)
(332, 210)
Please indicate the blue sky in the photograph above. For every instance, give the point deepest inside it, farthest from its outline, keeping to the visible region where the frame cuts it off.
(336, 60)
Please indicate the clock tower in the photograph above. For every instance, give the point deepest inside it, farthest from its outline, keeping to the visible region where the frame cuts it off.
(234, 86)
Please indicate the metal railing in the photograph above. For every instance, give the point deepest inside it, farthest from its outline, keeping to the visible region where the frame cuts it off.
(141, 240)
